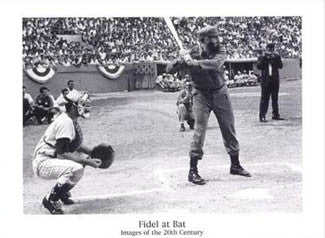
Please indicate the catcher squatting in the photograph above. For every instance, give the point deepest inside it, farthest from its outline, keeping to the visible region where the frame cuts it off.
(55, 158)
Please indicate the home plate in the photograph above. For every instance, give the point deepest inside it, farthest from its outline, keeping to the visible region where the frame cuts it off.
(252, 194)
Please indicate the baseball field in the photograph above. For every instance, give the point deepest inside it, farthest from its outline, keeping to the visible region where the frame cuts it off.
(149, 174)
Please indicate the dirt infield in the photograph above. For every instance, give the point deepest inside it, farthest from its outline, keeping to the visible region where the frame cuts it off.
(149, 174)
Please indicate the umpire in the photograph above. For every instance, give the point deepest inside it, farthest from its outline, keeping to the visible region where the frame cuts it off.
(205, 64)
(269, 63)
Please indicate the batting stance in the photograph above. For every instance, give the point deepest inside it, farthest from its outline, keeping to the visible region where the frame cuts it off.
(54, 156)
(205, 63)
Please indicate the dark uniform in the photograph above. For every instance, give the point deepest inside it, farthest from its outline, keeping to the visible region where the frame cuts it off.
(210, 94)
(185, 107)
(269, 64)
(43, 106)
(27, 110)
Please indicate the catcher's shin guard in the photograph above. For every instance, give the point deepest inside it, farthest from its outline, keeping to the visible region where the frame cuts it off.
(51, 203)
(54, 207)
(55, 192)
(65, 195)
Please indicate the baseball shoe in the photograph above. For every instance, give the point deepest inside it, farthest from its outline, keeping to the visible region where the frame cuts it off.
(262, 119)
(191, 124)
(278, 118)
(238, 170)
(54, 207)
(195, 178)
(182, 128)
(66, 199)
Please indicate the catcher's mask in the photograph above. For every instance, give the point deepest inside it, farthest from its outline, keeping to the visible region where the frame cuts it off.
(82, 104)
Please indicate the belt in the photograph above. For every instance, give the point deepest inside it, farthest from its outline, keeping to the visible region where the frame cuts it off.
(210, 90)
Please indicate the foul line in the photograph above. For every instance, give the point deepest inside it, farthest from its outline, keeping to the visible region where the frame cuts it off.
(160, 174)
(107, 196)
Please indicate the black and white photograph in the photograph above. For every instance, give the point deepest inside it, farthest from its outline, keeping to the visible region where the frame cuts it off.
(169, 123)
(180, 103)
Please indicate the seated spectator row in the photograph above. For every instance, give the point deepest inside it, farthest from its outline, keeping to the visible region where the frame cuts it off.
(241, 79)
(111, 40)
(45, 107)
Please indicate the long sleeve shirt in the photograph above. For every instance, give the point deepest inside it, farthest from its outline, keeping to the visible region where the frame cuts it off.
(209, 73)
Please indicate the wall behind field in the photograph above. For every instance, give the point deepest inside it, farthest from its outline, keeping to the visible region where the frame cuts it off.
(86, 78)
(291, 69)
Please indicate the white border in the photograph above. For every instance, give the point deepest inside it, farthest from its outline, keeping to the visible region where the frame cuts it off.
(308, 224)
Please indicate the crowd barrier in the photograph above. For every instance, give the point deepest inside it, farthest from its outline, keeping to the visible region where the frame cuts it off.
(96, 79)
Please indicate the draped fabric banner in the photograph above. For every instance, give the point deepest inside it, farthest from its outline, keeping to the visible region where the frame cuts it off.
(111, 71)
(41, 74)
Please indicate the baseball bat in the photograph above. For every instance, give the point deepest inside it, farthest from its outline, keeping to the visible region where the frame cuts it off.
(173, 31)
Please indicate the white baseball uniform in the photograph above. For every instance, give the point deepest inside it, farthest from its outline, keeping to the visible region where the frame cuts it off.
(46, 165)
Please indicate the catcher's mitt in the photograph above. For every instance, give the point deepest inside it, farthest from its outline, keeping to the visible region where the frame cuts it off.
(105, 153)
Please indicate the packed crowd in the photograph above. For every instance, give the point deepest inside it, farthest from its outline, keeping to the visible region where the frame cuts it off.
(243, 36)
(111, 40)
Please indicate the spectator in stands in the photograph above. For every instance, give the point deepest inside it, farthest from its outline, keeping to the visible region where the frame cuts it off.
(184, 107)
(130, 39)
(28, 104)
(66, 62)
(44, 104)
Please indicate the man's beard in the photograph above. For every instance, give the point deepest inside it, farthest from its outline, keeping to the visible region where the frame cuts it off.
(212, 48)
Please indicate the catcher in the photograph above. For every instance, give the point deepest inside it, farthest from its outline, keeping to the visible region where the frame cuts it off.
(55, 158)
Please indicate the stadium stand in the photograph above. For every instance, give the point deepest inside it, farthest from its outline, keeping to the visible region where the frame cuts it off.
(108, 40)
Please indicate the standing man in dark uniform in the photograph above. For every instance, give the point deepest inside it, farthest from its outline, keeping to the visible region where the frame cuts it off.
(205, 63)
(269, 63)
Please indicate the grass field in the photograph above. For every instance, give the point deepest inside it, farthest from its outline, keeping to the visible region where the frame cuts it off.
(149, 174)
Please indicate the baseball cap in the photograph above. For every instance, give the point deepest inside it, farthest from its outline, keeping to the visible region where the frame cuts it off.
(208, 31)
